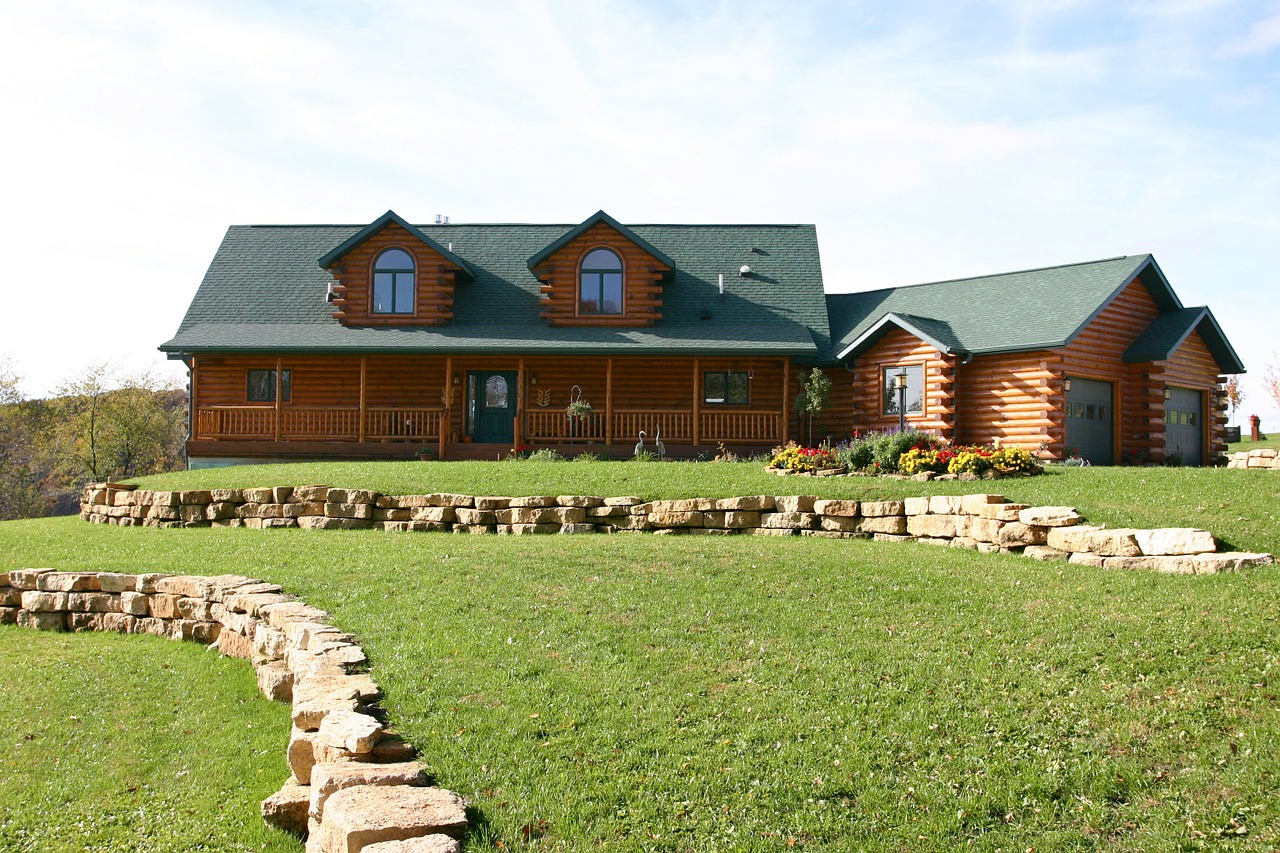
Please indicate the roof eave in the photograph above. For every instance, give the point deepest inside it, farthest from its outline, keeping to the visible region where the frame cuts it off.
(598, 217)
(877, 330)
(337, 253)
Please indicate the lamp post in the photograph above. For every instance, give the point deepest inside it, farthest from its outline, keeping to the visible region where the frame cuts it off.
(900, 385)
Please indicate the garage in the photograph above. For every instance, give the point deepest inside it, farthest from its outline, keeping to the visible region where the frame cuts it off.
(1089, 420)
(1184, 426)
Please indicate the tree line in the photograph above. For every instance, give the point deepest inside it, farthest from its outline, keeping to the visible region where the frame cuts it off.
(99, 424)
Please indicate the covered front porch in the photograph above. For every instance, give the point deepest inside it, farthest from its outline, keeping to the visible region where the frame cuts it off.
(458, 407)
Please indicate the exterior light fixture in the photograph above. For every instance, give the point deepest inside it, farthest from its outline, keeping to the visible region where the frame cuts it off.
(1168, 392)
(900, 385)
(1066, 385)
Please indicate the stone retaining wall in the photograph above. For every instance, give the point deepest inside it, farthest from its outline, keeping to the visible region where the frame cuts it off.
(979, 522)
(354, 785)
(1261, 457)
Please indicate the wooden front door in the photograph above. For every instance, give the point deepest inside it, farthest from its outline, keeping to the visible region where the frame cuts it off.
(492, 406)
(1184, 426)
(1090, 419)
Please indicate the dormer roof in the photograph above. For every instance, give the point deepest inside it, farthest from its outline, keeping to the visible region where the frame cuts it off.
(336, 254)
(596, 218)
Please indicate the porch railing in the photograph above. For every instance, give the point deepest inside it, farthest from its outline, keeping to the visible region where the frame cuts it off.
(676, 425)
(332, 423)
(554, 425)
(749, 427)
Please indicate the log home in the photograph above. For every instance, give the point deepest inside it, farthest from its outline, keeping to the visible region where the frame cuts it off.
(388, 340)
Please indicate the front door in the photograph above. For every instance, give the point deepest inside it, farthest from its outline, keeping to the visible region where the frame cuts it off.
(1089, 420)
(1184, 427)
(491, 405)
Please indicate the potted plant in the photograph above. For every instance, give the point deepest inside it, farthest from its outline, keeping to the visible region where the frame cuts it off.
(426, 452)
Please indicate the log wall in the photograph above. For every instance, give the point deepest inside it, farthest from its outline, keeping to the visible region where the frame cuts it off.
(642, 277)
(897, 348)
(434, 277)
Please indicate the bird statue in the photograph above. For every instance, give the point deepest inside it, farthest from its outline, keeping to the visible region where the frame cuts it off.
(640, 444)
(657, 441)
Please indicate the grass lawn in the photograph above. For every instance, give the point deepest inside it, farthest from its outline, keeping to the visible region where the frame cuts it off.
(678, 693)
(133, 744)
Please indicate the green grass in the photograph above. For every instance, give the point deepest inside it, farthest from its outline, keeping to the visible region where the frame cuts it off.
(133, 744)
(1247, 443)
(1240, 507)
(665, 693)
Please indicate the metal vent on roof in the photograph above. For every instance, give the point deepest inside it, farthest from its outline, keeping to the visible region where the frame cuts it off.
(441, 219)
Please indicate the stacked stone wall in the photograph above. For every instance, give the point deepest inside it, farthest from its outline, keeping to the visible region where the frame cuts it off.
(1265, 458)
(978, 522)
(354, 784)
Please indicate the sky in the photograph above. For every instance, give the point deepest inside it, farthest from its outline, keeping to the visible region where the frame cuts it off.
(926, 140)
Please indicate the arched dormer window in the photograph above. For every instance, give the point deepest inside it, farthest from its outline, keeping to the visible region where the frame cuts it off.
(600, 283)
(393, 285)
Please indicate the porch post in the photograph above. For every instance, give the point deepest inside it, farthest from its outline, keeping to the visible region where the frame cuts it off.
(362, 428)
(608, 402)
(786, 399)
(279, 392)
(697, 403)
(519, 425)
(446, 398)
(193, 428)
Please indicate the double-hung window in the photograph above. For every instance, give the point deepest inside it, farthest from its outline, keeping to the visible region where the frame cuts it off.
(914, 398)
(262, 386)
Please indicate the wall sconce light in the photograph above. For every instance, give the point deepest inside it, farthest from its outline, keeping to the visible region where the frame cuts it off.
(1066, 385)
(1168, 392)
(456, 380)
(533, 379)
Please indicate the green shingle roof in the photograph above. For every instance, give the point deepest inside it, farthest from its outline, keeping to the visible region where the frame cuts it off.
(1010, 312)
(265, 292)
(1161, 339)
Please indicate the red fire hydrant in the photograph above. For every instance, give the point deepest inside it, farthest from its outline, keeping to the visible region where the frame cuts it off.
(1255, 427)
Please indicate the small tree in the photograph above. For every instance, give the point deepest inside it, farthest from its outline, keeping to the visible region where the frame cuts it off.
(1235, 394)
(1271, 380)
(815, 392)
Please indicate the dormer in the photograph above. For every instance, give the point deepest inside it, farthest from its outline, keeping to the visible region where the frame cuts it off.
(392, 274)
(601, 273)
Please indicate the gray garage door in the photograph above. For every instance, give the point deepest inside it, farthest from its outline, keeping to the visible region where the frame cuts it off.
(1184, 426)
(1089, 420)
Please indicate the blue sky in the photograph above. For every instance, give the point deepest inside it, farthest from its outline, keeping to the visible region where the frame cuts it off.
(926, 140)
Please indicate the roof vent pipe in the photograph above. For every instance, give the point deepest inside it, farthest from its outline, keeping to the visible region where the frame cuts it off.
(722, 287)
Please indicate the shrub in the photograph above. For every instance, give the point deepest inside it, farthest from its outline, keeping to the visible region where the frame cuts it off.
(545, 454)
(888, 448)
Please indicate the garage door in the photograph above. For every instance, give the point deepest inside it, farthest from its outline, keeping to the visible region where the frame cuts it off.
(1184, 426)
(1089, 420)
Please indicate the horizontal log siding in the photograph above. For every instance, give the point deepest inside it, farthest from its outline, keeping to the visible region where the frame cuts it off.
(894, 349)
(1098, 353)
(1193, 366)
(434, 276)
(1010, 399)
(642, 276)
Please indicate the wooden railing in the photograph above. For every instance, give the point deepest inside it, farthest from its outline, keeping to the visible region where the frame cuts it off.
(333, 423)
(676, 425)
(750, 427)
(555, 425)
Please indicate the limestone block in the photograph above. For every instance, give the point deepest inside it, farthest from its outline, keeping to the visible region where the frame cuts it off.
(120, 498)
(147, 582)
(626, 500)
(116, 582)
(789, 519)
(740, 519)
(795, 503)
(1017, 533)
(278, 523)
(309, 711)
(1049, 516)
(195, 608)
(973, 504)
(537, 501)
(938, 526)
(746, 503)
(680, 506)
(1168, 564)
(527, 529)
(268, 643)
(946, 505)
(189, 586)
(10, 597)
(1044, 552)
(279, 615)
(362, 511)
(675, 518)
(770, 531)
(302, 510)
(526, 515)
(151, 625)
(984, 529)
(43, 620)
(887, 525)
(602, 512)
(301, 755)
(44, 602)
(641, 508)
(1002, 512)
(163, 513)
(881, 509)
(253, 602)
(234, 496)
(1116, 542)
(839, 523)
(189, 514)
(287, 808)
(25, 579)
(829, 534)
(9, 615)
(492, 502)
(583, 501)
(328, 779)
(165, 498)
(474, 529)
(352, 731)
(357, 817)
(465, 515)
(345, 654)
(633, 522)
(574, 529)
(436, 843)
(310, 494)
(390, 749)
(326, 523)
(258, 496)
(1076, 538)
(966, 543)
(301, 635)
(68, 581)
(1175, 541)
(234, 645)
(274, 680)
(93, 602)
(1228, 561)
(196, 631)
(844, 509)
(195, 496)
(938, 542)
(438, 514)
(393, 514)
(164, 606)
(915, 506)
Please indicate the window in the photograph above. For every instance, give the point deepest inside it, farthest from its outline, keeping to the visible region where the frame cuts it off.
(600, 283)
(393, 283)
(495, 393)
(262, 386)
(915, 389)
(726, 388)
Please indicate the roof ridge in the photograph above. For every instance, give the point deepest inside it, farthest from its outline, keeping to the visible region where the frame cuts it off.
(431, 225)
(1002, 274)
